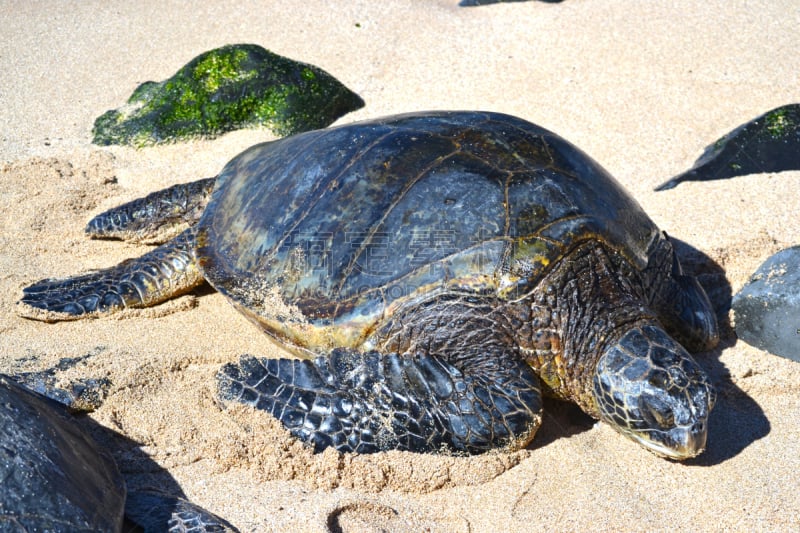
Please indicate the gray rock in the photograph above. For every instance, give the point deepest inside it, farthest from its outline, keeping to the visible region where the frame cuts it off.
(767, 309)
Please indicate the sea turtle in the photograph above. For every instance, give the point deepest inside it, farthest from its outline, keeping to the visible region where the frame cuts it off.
(436, 272)
(56, 478)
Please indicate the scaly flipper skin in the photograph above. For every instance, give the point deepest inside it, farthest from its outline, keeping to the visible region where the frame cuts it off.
(679, 301)
(149, 218)
(158, 512)
(165, 272)
(368, 402)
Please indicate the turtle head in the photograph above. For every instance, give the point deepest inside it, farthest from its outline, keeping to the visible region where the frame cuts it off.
(651, 390)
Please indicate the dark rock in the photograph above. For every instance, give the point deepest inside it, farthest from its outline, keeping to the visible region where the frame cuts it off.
(769, 143)
(767, 309)
(225, 89)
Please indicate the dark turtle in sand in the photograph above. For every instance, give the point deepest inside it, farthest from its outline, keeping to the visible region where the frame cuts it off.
(436, 272)
(56, 478)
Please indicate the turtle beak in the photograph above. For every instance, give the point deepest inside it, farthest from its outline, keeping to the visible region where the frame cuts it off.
(679, 444)
(689, 442)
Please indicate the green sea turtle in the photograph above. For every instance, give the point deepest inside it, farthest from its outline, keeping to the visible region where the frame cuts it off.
(56, 478)
(436, 272)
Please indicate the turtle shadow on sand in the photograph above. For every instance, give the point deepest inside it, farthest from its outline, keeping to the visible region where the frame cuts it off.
(736, 420)
(151, 488)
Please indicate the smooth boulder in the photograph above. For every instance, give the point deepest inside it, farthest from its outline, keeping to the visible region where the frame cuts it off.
(767, 309)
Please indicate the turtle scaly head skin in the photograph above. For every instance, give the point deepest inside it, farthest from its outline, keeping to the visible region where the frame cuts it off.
(649, 388)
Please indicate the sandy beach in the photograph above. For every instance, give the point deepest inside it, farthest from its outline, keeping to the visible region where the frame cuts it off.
(642, 87)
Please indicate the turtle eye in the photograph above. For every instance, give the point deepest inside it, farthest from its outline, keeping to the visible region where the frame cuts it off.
(656, 411)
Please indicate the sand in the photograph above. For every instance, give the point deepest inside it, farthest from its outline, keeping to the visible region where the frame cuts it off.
(641, 86)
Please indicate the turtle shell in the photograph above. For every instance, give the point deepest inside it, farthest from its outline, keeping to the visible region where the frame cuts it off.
(319, 236)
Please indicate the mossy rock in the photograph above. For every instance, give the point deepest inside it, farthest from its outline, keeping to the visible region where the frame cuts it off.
(768, 143)
(231, 87)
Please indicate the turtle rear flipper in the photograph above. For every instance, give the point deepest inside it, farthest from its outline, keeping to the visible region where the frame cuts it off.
(165, 272)
(367, 402)
(157, 217)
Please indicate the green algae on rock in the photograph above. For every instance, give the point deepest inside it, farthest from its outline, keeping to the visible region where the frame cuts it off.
(231, 87)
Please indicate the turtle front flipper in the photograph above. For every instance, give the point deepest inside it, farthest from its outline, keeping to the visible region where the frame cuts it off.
(368, 401)
(681, 302)
(153, 511)
(165, 272)
(155, 217)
